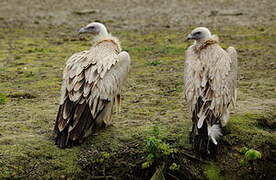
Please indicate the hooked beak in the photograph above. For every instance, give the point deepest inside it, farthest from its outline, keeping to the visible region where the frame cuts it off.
(189, 37)
(83, 30)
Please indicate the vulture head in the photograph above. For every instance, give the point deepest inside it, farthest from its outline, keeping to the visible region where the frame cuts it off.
(199, 34)
(94, 28)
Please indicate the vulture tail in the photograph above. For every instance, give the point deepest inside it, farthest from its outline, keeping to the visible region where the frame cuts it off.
(74, 134)
(61, 139)
(204, 140)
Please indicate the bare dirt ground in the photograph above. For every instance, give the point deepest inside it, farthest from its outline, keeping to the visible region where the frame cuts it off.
(36, 37)
(138, 14)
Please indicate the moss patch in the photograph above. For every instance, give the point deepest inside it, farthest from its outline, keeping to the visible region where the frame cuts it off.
(3, 98)
(212, 172)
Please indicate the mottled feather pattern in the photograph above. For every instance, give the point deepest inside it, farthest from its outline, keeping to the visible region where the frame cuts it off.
(208, 75)
(233, 74)
(91, 81)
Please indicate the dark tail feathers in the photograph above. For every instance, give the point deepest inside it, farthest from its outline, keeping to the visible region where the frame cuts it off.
(201, 142)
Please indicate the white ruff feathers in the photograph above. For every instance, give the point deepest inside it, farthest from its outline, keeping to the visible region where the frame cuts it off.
(214, 132)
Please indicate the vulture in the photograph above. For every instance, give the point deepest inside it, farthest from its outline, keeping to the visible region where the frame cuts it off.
(210, 79)
(91, 85)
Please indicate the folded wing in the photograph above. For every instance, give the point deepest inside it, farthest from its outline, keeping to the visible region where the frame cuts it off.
(91, 81)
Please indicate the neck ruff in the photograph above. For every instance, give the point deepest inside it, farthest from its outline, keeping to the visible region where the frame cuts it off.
(110, 39)
(205, 44)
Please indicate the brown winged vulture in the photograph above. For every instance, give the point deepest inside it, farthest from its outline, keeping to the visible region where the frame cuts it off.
(210, 77)
(92, 82)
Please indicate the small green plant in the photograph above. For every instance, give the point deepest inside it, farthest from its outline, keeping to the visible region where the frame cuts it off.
(3, 98)
(243, 150)
(243, 162)
(105, 156)
(174, 167)
(250, 155)
(5, 172)
(153, 63)
(152, 144)
(155, 147)
(146, 164)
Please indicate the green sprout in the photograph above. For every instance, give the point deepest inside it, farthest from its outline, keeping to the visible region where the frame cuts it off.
(249, 155)
(243, 162)
(252, 154)
(146, 165)
(174, 167)
(105, 156)
(243, 150)
(153, 63)
(156, 148)
(3, 98)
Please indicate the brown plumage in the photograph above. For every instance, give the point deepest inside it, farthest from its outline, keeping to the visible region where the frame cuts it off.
(92, 81)
(210, 86)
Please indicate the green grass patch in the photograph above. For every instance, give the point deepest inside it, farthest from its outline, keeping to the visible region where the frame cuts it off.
(3, 98)
(212, 172)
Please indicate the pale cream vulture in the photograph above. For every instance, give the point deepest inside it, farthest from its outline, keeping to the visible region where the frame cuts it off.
(92, 82)
(210, 79)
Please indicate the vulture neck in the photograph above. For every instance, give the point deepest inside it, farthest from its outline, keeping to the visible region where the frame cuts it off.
(202, 40)
(107, 38)
(103, 33)
(202, 44)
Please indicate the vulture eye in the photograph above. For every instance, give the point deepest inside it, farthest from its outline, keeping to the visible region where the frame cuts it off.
(198, 33)
(92, 27)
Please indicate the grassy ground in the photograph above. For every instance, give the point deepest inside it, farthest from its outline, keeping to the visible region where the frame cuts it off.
(31, 63)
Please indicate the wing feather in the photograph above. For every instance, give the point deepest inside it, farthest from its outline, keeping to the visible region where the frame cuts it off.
(78, 85)
(91, 81)
(233, 76)
(210, 75)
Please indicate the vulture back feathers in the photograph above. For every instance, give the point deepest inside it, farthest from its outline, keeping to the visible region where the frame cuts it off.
(210, 77)
(92, 81)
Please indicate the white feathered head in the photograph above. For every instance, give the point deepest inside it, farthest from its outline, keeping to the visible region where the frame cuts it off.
(94, 28)
(199, 34)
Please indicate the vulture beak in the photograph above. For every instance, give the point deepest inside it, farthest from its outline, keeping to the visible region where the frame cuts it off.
(83, 30)
(189, 37)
